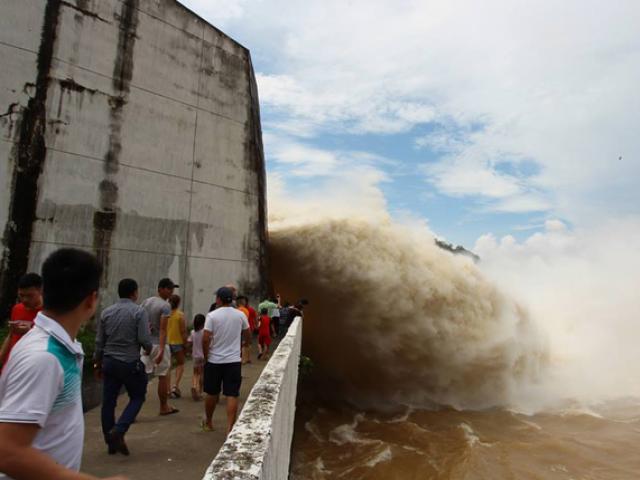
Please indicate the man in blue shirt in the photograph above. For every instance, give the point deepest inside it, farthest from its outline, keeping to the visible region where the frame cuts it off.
(122, 330)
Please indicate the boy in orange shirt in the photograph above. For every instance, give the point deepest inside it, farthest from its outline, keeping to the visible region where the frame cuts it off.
(22, 314)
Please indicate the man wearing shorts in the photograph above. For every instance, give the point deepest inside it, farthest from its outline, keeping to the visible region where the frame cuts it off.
(159, 362)
(225, 329)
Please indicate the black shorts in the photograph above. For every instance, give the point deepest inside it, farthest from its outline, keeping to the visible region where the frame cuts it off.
(225, 375)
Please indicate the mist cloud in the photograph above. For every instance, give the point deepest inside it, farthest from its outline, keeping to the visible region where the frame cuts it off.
(581, 288)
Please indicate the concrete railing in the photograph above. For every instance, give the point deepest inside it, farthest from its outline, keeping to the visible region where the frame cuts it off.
(259, 445)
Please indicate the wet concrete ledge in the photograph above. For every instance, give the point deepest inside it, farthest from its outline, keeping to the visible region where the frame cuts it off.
(259, 445)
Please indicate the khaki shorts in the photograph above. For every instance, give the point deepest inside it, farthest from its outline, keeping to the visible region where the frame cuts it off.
(161, 369)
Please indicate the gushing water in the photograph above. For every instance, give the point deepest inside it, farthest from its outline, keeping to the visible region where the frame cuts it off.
(393, 318)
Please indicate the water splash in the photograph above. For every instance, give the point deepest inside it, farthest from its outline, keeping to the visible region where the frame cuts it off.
(395, 320)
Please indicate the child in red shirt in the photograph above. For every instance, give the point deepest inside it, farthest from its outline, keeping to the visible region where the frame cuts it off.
(23, 314)
(265, 332)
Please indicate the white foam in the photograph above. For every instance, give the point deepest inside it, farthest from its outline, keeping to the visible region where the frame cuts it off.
(319, 466)
(383, 456)
(402, 418)
(313, 430)
(346, 433)
(628, 420)
(413, 450)
(579, 411)
(471, 436)
(533, 425)
(559, 468)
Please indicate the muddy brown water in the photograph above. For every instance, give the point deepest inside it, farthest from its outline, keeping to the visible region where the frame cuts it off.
(572, 443)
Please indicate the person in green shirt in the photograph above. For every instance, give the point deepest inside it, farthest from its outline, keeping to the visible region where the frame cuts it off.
(271, 305)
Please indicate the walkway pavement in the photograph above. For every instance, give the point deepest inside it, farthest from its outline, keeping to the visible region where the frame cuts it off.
(164, 448)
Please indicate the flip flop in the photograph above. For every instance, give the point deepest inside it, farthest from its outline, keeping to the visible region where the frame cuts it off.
(205, 427)
(170, 412)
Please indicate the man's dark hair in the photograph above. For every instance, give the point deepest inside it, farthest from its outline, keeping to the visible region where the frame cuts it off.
(198, 322)
(243, 297)
(30, 280)
(127, 287)
(263, 311)
(69, 276)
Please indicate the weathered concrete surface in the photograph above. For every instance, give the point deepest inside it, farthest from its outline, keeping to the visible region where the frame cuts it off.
(130, 128)
(164, 448)
(259, 446)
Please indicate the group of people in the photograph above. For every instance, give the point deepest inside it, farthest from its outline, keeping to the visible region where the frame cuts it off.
(134, 341)
(41, 420)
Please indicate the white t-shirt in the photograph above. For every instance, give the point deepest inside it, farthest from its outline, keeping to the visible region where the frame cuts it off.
(226, 324)
(196, 340)
(42, 384)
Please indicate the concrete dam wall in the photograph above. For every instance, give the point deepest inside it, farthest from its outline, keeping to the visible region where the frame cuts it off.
(130, 128)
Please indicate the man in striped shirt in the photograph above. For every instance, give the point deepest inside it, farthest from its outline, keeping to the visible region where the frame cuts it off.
(41, 421)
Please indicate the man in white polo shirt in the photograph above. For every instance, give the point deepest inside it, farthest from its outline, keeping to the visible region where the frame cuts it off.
(41, 421)
(225, 329)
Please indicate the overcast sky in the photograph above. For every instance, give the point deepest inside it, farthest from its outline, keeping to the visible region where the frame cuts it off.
(489, 117)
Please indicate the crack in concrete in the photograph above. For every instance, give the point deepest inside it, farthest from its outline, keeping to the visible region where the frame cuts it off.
(81, 7)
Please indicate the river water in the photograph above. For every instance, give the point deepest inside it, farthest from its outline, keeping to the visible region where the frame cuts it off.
(599, 443)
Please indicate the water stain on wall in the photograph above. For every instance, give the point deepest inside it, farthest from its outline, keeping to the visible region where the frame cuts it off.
(159, 242)
(29, 154)
(105, 217)
(254, 155)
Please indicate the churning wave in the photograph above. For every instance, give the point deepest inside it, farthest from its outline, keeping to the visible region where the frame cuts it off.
(393, 319)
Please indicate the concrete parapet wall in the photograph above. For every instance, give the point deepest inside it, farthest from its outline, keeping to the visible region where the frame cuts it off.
(259, 446)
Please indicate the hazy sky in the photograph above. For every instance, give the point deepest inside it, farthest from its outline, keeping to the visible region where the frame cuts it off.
(489, 117)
